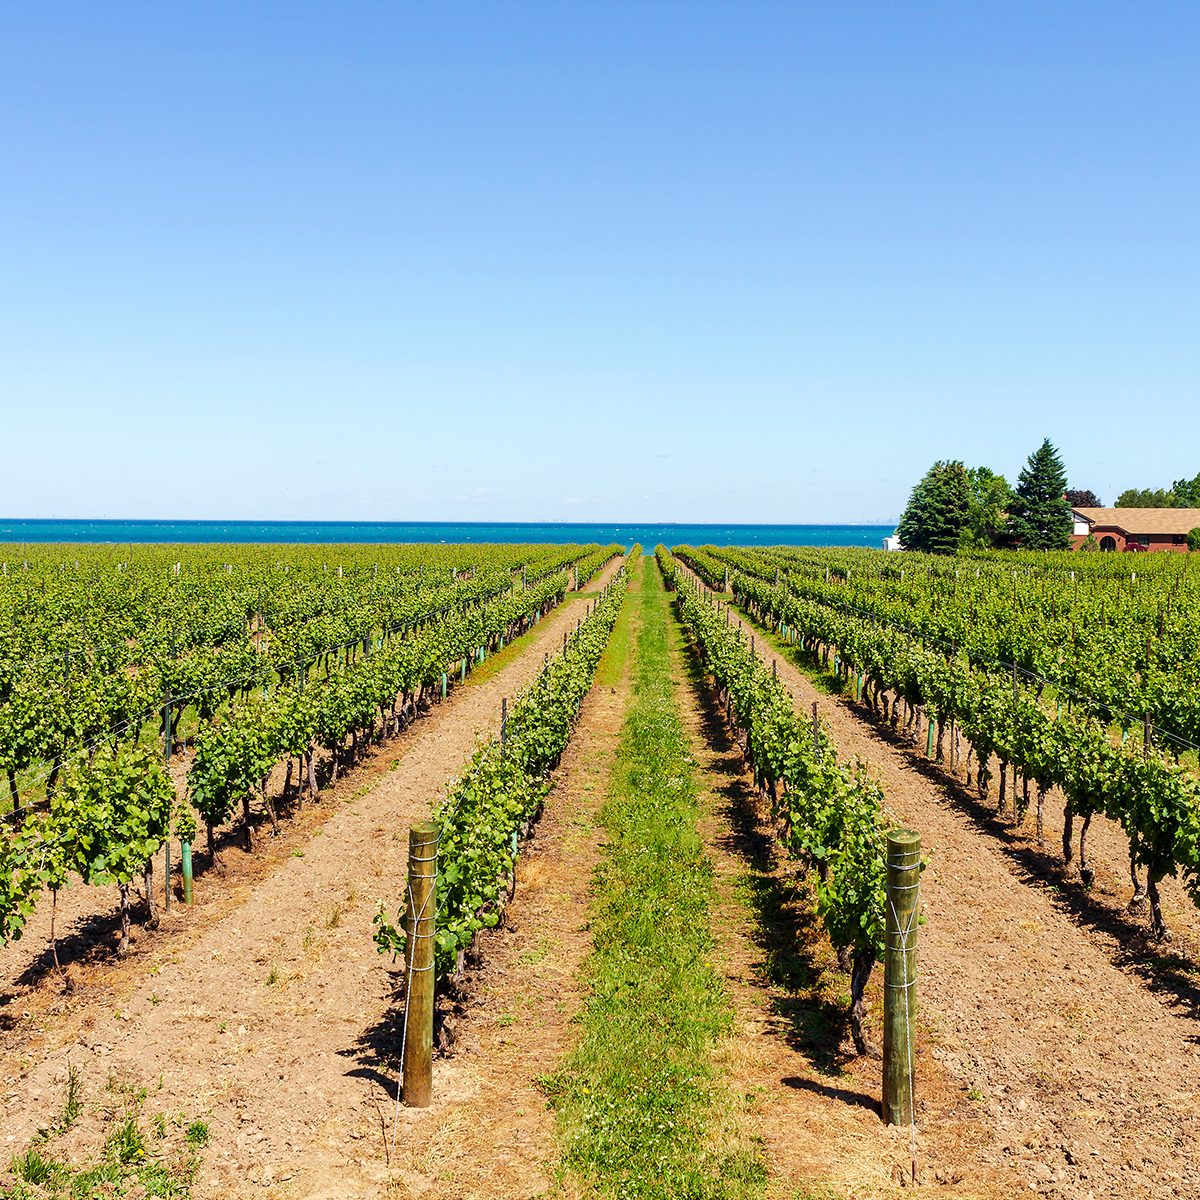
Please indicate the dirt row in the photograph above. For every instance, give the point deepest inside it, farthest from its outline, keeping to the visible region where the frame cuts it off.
(276, 1019)
(87, 917)
(490, 1132)
(273, 1018)
(1083, 1079)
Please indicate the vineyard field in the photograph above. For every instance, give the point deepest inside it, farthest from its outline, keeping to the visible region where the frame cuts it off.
(619, 947)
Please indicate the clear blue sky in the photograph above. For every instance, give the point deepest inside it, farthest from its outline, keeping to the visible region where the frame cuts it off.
(660, 261)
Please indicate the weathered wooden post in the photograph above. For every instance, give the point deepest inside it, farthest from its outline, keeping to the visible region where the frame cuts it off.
(418, 958)
(503, 725)
(166, 711)
(900, 975)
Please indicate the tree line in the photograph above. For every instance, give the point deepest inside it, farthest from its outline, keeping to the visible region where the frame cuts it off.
(955, 507)
(1183, 493)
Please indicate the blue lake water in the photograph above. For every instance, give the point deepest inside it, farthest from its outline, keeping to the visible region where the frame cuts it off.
(649, 535)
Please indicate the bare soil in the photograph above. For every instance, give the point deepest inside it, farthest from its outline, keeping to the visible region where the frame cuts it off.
(813, 1103)
(1055, 1057)
(271, 1014)
(1082, 1079)
(490, 1131)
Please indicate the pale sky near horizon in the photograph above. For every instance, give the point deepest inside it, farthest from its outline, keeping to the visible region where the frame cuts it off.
(606, 261)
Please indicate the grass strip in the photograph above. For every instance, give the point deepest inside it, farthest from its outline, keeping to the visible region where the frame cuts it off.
(639, 1104)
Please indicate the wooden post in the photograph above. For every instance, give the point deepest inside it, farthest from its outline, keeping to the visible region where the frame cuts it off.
(503, 725)
(900, 975)
(167, 844)
(418, 958)
(816, 731)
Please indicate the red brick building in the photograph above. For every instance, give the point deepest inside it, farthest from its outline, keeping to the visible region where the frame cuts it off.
(1148, 528)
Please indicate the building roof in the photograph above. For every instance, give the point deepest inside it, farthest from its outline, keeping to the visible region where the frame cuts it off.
(1135, 521)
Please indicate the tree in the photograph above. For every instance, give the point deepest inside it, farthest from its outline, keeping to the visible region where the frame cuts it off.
(1040, 517)
(938, 510)
(1194, 538)
(990, 500)
(1083, 498)
(1188, 492)
(1147, 498)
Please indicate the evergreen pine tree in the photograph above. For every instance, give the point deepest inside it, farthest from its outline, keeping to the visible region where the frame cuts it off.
(938, 510)
(1040, 517)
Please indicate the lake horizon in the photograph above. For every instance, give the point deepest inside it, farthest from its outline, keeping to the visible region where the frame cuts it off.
(115, 531)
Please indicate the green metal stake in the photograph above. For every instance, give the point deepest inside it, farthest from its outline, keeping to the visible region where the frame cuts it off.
(185, 862)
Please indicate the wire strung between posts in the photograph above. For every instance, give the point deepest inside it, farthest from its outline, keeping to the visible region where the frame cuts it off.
(253, 679)
(337, 611)
(493, 745)
(978, 657)
(69, 756)
(139, 719)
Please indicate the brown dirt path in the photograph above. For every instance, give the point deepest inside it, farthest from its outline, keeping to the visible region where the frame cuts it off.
(490, 1131)
(88, 920)
(268, 1020)
(811, 1102)
(1085, 1081)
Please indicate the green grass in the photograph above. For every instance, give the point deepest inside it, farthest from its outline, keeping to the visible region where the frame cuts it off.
(160, 1160)
(614, 661)
(638, 1100)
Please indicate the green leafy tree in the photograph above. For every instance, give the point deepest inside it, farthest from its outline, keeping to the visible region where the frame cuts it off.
(1194, 538)
(1040, 517)
(990, 500)
(1188, 492)
(938, 510)
(1148, 498)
